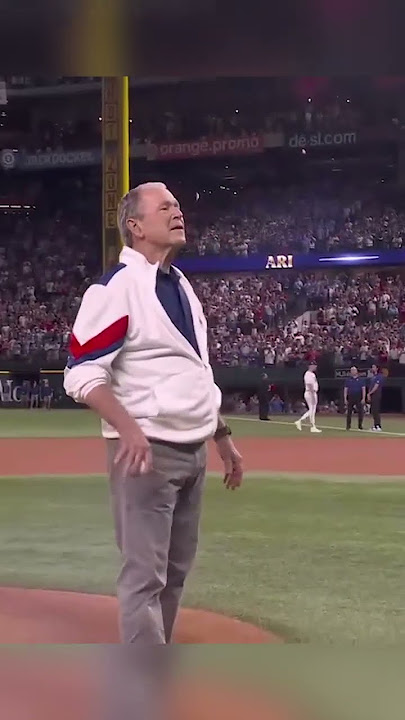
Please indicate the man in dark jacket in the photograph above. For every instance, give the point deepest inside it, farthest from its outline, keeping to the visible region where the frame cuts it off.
(374, 396)
(264, 394)
(354, 397)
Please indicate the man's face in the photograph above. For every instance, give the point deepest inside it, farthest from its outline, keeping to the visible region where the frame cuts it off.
(161, 221)
(374, 369)
(353, 372)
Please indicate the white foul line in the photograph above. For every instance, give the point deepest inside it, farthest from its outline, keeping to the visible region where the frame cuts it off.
(321, 427)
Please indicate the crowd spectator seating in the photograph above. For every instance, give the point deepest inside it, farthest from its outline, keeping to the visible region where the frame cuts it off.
(41, 284)
(49, 256)
(170, 122)
(161, 126)
(47, 259)
(181, 112)
(317, 218)
(252, 320)
(62, 136)
(351, 319)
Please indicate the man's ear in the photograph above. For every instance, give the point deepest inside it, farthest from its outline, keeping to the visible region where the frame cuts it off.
(135, 228)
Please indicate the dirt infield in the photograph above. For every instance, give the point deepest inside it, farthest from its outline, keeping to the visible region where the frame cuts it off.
(37, 616)
(49, 616)
(34, 616)
(36, 686)
(340, 456)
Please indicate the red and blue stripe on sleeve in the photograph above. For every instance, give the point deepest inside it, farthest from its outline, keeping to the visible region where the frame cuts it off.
(107, 341)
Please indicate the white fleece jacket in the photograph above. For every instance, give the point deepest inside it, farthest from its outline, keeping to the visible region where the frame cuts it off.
(123, 336)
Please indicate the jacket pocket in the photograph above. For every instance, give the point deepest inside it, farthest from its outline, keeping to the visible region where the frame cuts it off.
(140, 404)
(190, 398)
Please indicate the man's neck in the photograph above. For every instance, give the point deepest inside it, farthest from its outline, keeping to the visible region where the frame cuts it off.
(153, 254)
(163, 256)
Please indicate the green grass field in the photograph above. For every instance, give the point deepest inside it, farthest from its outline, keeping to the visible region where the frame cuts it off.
(316, 561)
(82, 423)
(319, 560)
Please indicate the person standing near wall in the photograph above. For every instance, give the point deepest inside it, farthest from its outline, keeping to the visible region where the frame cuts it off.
(46, 395)
(34, 396)
(263, 396)
(25, 393)
(354, 395)
(374, 397)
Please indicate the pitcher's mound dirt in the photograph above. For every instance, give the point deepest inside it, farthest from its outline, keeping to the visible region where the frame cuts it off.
(49, 616)
(49, 686)
(57, 686)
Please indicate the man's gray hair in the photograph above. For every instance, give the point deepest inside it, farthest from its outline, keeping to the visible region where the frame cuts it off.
(130, 207)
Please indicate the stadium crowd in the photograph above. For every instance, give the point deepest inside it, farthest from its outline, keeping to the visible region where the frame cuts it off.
(48, 257)
(348, 319)
(162, 113)
(252, 319)
(163, 126)
(46, 263)
(314, 219)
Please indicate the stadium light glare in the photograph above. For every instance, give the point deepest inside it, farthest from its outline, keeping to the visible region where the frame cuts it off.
(349, 258)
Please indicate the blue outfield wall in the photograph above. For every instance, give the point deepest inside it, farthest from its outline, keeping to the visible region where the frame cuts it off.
(230, 380)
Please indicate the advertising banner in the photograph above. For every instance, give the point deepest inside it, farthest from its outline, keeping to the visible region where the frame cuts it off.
(212, 147)
(200, 148)
(321, 139)
(288, 261)
(10, 392)
(74, 158)
(343, 372)
(10, 159)
(13, 392)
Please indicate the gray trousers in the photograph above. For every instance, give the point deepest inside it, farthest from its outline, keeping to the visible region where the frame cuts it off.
(156, 522)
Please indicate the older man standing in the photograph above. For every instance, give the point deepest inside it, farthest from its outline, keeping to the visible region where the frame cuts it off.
(139, 358)
(354, 397)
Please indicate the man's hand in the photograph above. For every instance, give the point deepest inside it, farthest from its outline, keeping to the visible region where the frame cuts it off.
(232, 462)
(134, 450)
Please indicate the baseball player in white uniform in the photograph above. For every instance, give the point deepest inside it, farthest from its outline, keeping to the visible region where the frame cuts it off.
(311, 398)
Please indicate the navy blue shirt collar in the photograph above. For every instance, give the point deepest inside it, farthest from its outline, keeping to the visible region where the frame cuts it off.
(176, 304)
(168, 272)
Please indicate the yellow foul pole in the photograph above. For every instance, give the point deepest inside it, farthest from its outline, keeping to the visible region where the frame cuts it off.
(115, 158)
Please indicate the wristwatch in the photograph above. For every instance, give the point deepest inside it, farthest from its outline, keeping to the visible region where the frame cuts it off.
(222, 432)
